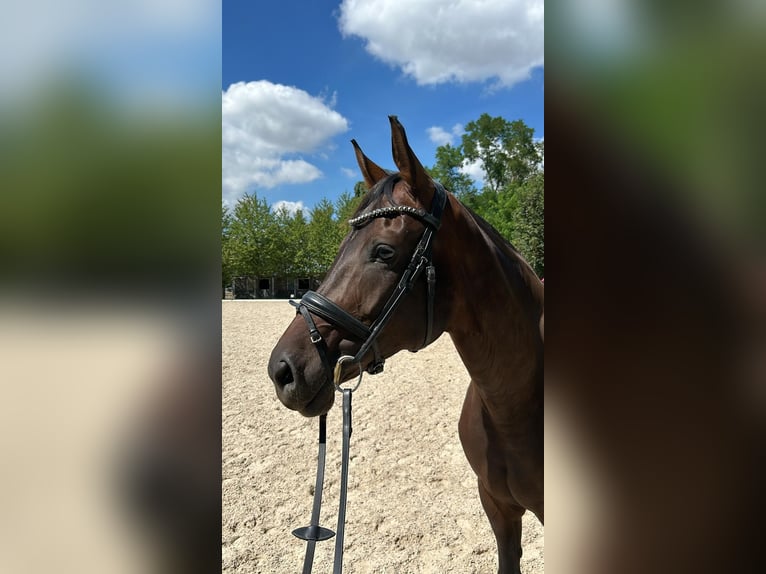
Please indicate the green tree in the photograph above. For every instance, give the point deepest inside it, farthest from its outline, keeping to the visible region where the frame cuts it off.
(541, 154)
(345, 207)
(299, 236)
(529, 222)
(287, 245)
(498, 209)
(226, 246)
(447, 171)
(360, 188)
(506, 149)
(250, 238)
(322, 237)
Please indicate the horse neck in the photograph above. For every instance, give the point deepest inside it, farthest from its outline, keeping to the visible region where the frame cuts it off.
(496, 304)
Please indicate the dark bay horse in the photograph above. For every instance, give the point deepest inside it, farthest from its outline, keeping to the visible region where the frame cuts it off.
(482, 292)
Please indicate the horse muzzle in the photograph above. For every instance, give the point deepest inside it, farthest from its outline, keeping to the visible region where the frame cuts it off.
(295, 391)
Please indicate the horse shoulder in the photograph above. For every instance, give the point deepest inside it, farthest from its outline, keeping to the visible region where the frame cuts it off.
(505, 457)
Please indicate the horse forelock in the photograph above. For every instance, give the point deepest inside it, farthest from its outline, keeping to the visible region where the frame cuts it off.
(384, 189)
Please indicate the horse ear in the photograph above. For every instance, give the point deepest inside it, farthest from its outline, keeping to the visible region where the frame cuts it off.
(372, 172)
(409, 166)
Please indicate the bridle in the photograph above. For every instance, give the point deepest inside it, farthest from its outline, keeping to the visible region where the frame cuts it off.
(319, 305)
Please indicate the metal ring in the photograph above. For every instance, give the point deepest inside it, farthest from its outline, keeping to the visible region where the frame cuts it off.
(339, 368)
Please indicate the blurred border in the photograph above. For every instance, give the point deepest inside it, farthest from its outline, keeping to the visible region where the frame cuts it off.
(109, 290)
(655, 286)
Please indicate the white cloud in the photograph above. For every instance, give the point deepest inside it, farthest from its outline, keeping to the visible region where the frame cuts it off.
(265, 126)
(435, 41)
(475, 170)
(290, 206)
(349, 173)
(440, 136)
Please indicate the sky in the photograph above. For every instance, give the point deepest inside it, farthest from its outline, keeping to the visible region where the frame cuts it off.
(141, 53)
(301, 79)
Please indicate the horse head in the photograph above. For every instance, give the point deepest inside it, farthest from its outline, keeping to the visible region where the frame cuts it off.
(382, 276)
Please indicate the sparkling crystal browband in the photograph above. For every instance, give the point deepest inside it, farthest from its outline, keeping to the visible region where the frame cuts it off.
(385, 212)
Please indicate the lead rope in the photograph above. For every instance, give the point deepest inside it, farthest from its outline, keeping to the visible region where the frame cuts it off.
(338, 562)
(313, 532)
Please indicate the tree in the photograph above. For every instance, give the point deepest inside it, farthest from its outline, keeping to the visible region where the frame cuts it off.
(287, 243)
(322, 237)
(529, 222)
(541, 154)
(360, 188)
(226, 245)
(250, 242)
(498, 209)
(300, 236)
(447, 171)
(345, 207)
(506, 149)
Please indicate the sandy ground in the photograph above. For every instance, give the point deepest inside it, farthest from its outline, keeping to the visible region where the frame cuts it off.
(413, 506)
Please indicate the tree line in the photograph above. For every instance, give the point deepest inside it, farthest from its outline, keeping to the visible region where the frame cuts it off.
(263, 242)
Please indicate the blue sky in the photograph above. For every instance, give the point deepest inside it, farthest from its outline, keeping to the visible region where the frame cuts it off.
(301, 79)
(143, 55)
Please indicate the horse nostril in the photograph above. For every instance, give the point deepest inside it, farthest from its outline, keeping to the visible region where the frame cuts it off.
(283, 375)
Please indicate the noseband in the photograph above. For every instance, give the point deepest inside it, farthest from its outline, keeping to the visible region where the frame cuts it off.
(319, 305)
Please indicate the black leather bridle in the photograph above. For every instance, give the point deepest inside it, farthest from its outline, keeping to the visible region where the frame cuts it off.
(421, 260)
(319, 305)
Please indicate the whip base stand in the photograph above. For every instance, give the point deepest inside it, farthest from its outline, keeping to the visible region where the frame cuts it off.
(316, 533)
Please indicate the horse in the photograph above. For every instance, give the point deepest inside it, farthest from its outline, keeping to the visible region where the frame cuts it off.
(475, 286)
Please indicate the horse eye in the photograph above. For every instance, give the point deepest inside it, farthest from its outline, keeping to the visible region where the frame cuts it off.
(384, 252)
